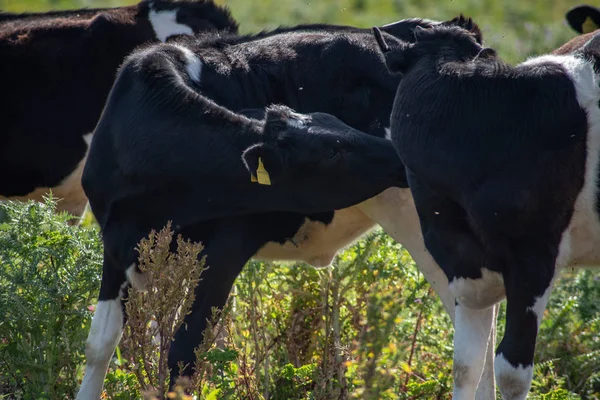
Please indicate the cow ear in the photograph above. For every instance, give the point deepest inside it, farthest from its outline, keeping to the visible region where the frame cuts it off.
(583, 19)
(383, 46)
(276, 121)
(399, 60)
(264, 163)
(420, 31)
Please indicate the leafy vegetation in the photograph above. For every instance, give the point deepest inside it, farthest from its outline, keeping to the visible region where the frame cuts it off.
(366, 328)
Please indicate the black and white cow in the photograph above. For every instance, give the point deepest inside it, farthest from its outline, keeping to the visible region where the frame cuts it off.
(332, 69)
(583, 18)
(56, 71)
(502, 162)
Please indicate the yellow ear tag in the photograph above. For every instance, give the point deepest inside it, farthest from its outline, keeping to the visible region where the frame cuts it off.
(262, 174)
(253, 178)
(589, 25)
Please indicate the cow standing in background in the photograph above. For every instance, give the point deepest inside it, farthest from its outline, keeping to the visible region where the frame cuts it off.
(503, 165)
(56, 71)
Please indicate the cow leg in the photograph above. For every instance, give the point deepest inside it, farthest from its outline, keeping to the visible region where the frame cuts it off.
(486, 390)
(230, 246)
(105, 331)
(451, 242)
(471, 337)
(528, 286)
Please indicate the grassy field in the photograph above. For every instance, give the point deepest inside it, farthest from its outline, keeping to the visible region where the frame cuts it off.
(366, 328)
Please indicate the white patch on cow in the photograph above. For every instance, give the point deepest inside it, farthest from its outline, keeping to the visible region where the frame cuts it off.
(479, 293)
(513, 382)
(154, 332)
(136, 278)
(471, 337)
(540, 303)
(579, 244)
(165, 24)
(193, 65)
(87, 138)
(388, 133)
(316, 243)
(486, 390)
(105, 333)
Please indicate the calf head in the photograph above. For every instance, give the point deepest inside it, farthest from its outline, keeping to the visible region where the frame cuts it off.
(584, 18)
(321, 162)
(459, 41)
(183, 17)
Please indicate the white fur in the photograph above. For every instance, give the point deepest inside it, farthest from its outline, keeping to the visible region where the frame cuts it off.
(540, 305)
(479, 293)
(471, 336)
(579, 244)
(513, 382)
(317, 243)
(87, 138)
(136, 278)
(193, 65)
(165, 24)
(105, 333)
(388, 133)
(486, 390)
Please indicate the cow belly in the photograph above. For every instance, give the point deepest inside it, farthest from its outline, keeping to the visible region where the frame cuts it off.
(580, 245)
(317, 243)
(70, 192)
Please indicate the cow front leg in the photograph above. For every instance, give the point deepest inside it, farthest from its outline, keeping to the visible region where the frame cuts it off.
(471, 334)
(105, 331)
(527, 291)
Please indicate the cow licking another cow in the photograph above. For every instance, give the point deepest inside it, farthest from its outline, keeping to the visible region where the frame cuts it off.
(62, 65)
(502, 162)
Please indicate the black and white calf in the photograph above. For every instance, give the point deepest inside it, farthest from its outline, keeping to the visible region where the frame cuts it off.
(205, 168)
(502, 162)
(56, 71)
(332, 69)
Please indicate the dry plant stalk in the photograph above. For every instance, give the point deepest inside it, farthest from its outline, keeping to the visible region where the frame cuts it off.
(171, 278)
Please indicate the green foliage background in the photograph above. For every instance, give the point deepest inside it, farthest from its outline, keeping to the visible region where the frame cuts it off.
(516, 28)
(368, 327)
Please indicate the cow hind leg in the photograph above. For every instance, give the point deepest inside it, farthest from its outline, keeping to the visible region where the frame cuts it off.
(528, 288)
(105, 332)
(230, 246)
(486, 390)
